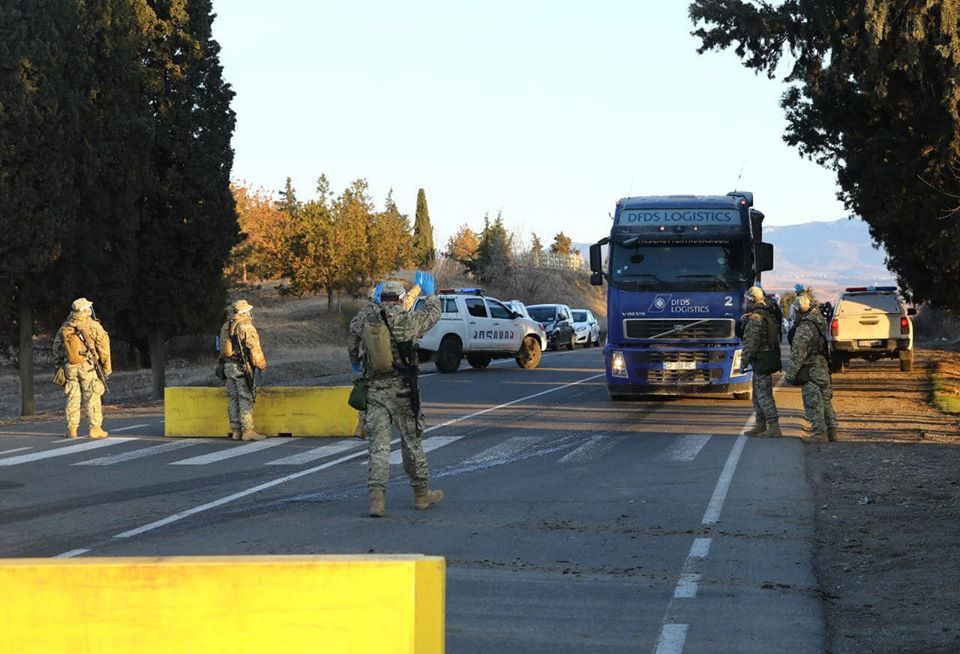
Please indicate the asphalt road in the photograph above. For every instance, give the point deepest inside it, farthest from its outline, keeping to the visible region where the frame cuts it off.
(570, 523)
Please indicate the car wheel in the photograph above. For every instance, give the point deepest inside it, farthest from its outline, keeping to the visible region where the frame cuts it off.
(479, 361)
(529, 356)
(449, 354)
(906, 361)
(572, 343)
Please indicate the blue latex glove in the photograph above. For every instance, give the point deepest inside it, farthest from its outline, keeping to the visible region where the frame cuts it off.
(356, 367)
(426, 282)
(376, 292)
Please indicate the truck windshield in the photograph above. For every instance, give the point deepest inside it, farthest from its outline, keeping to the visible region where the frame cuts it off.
(680, 266)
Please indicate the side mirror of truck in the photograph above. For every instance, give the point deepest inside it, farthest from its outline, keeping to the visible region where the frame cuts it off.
(596, 259)
(765, 257)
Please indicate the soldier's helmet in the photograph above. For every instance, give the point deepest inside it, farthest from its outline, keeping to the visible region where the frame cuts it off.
(81, 304)
(803, 303)
(241, 306)
(393, 291)
(755, 294)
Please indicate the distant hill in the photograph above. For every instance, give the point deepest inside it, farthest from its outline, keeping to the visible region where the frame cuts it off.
(827, 255)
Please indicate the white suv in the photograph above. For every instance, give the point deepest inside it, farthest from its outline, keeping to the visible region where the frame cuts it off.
(871, 323)
(483, 329)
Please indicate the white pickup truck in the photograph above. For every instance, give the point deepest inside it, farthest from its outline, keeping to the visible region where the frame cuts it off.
(871, 323)
(483, 329)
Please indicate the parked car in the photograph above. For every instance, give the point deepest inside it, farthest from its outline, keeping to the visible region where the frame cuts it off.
(586, 328)
(482, 329)
(557, 322)
(871, 323)
(518, 307)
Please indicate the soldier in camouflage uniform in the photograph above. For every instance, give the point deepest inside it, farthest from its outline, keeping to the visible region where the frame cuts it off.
(239, 332)
(761, 334)
(389, 395)
(81, 344)
(808, 353)
(356, 351)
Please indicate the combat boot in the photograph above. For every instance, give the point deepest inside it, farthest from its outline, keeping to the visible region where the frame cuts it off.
(832, 433)
(236, 435)
(758, 429)
(424, 497)
(97, 432)
(71, 432)
(377, 503)
(816, 438)
(773, 430)
(251, 435)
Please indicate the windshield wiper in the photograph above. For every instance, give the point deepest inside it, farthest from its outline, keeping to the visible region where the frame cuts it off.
(649, 275)
(716, 278)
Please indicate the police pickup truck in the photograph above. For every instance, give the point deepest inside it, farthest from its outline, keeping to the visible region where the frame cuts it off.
(483, 329)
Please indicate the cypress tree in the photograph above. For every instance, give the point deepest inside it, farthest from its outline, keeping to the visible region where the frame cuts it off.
(38, 122)
(424, 253)
(188, 223)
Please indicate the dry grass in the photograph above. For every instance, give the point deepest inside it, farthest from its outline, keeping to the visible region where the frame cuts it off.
(946, 387)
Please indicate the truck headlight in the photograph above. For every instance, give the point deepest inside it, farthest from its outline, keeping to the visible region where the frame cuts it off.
(618, 365)
(737, 358)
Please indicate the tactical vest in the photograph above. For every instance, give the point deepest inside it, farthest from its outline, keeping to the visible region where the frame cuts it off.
(377, 344)
(73, 344)
(767, 361)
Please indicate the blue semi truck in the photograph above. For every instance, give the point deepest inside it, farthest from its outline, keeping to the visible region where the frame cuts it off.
(677, 270)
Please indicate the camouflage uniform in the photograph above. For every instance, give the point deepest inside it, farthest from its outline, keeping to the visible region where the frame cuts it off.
(83, 388)
(388, 400)
(808, 350)
(240, 399)
(357, 355)
(756, 337)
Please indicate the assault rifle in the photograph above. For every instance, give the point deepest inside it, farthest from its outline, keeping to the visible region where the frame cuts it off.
(248, 374)
(408, 369)
(94, 358)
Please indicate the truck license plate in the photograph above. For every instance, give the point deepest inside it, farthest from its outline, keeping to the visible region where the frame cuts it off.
(679, 365)
(871, 343)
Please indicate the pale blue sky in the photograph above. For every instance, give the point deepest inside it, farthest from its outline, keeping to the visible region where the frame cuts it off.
(546, 110)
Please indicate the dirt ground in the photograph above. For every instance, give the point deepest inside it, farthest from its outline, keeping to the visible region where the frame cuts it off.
(887, 494)
(888, 513)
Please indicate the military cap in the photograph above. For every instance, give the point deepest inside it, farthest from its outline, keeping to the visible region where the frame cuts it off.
(81, 304)
(755, 294)
(393, 291)
(242, 306)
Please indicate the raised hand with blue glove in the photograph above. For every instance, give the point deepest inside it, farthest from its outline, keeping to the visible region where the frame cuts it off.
(426, 282)
(377, 290)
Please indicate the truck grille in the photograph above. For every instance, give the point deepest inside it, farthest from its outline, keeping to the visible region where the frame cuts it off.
(699, 356)
(645, 328)
(699, 376)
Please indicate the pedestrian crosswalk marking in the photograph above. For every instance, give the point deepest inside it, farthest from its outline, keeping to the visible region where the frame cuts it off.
(232, 452)
(112, 459)
(16, 449)
(685, 448)
(128, 428)
(63, 451)
(595, 447)
(504, 451)
(429, 444)
(315, 453)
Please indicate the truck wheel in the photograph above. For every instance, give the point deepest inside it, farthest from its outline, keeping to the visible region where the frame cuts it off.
(618, 397)
(906, 360)
(529, 356)
(479, 360)
(449, 354)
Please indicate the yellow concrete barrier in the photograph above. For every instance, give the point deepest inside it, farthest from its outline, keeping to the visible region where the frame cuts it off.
(287, 410)
(235, 605)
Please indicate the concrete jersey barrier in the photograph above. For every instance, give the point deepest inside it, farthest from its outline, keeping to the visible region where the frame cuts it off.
(280, 410)
(240, 605)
